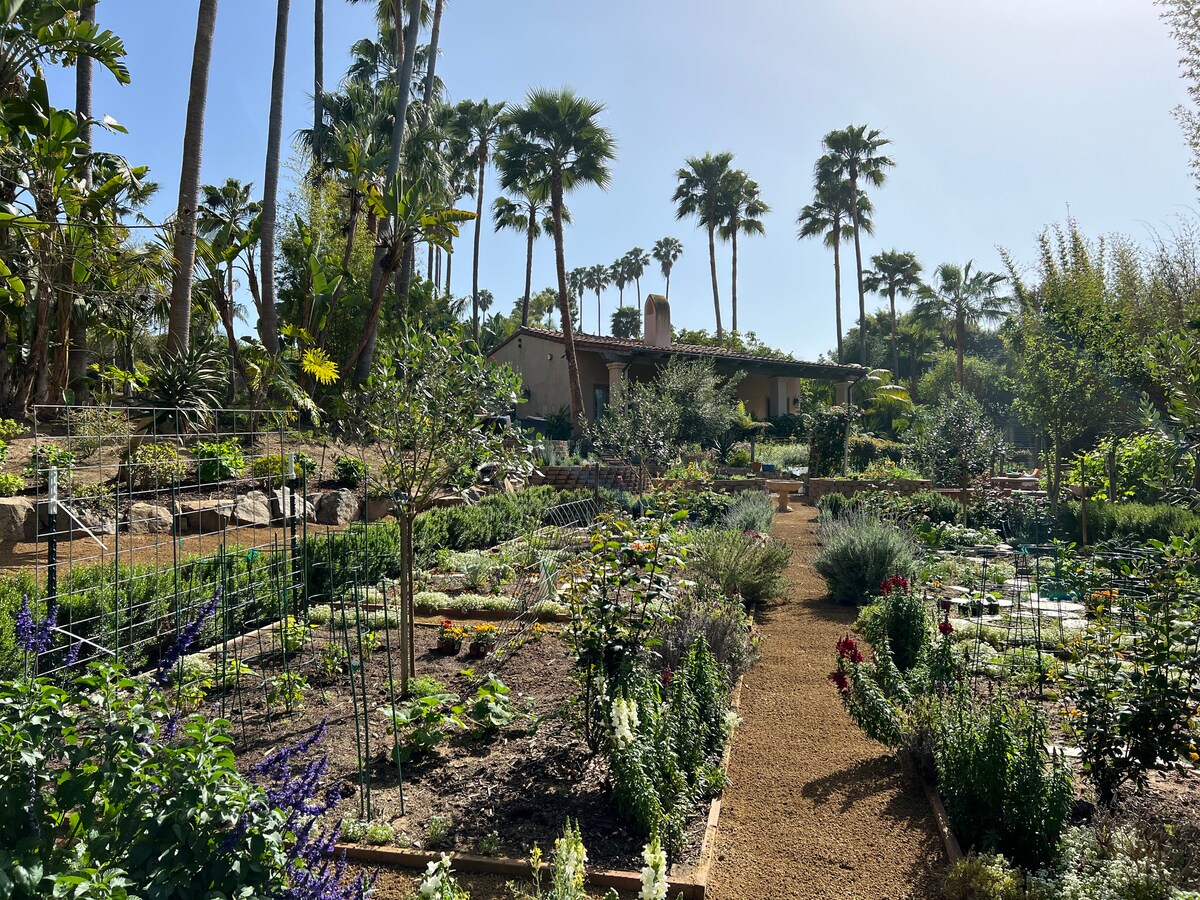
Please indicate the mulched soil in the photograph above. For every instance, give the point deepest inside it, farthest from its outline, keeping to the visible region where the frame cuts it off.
(520, 783)
(814, 809)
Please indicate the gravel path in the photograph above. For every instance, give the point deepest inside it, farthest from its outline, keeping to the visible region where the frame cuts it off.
(814, 810)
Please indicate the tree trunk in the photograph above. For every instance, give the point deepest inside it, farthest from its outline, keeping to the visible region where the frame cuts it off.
(482, 152)
(434, 34)
(318, 81)
(712, 268)
(404, 283)
(529, 238)
(837, 285)
(733, 224)
(449, 264)
(380, 271)
(862, 296)
(268, 316)
(179, 323)
(895, 347)
(599, 326)
(960, 340)
(77, 359)
(667, 292)
(564, 305)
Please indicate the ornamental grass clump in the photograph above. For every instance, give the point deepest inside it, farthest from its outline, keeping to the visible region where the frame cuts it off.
(858, 551)
(750, 512)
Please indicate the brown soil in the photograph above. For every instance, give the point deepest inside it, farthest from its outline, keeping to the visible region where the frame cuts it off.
(814, 809)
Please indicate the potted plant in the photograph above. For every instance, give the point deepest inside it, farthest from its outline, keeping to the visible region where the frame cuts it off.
(450, 638)
(483, 639)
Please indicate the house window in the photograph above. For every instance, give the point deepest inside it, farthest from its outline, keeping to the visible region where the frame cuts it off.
(600, 398)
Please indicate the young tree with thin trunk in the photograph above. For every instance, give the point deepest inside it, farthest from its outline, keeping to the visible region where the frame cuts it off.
(560, 137)
(895, 274)
(854, 152)
(702, 189)
(179, 322)
(666, 253)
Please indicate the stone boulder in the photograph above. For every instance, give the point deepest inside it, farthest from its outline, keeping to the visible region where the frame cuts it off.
(204, 516)
(281, 506)
(379, 509)
(338, 508)
(18, 521)
(252, 509)
(150, 518)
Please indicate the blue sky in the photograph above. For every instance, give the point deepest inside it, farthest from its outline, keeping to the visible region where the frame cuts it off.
(1004, 118)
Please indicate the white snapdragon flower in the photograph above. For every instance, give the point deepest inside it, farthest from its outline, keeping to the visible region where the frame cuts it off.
(654, 874)
(436, 875)
(624, 721)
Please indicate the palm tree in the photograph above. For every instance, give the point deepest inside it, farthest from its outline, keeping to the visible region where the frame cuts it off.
(828, 217)
(958, 297)
(636, 261)
(577, 280)
(666, 251)
(479, 126)
(558, 136)
(530, 213)
(318, 146)
(701, 191)
(744, 209)
(179, 322)
(894, 273)
(598, 278)
(267, 315)
(77, 359)
(854, 153)
(620, 275)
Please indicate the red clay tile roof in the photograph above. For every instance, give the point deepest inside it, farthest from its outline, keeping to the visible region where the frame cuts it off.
(799, 368)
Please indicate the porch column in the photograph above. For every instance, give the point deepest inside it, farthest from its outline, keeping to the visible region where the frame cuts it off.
(616, 373)
(779, 396)
(841, 392)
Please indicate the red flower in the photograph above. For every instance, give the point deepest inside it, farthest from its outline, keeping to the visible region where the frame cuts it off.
(848, 649)
(945, 627)
(840, 680)
(667, 675)
(897, 583)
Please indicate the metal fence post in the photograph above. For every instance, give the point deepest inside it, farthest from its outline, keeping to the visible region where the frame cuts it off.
(52, 541)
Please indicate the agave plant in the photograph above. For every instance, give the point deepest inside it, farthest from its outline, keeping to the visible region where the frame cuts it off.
(185, 387)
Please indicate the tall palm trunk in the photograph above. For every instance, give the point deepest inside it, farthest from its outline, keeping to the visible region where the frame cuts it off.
(388, 257)
(179, 320)
(77, 359)
(895, 348)
(599, 326)
(862, 295)
(529, 238)
(449, 265)
(733, 225)
(268, 316)
(564, 305)
(434, 33)
(667, 292)
(482, 153)
(837, 283)
(712, 267)
(960, 343)
(318, 80)
(638, 282)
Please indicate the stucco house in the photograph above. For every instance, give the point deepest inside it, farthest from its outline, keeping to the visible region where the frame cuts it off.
(770, 388)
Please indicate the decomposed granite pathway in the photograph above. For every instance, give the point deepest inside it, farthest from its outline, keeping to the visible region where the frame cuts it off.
(814, 809)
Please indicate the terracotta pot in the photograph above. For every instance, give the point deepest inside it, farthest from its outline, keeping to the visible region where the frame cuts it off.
(448, 647)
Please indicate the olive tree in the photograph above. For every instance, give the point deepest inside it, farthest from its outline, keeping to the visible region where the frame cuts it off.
(433, 408)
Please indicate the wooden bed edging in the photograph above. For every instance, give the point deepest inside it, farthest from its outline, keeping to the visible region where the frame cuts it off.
(686, 882)
(953, 850)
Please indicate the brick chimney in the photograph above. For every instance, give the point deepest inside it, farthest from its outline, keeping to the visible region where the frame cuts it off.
(658, 321)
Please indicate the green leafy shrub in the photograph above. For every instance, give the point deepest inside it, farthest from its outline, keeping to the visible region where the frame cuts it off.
(749, 566)
(865, 450)
(782, 456)
(93, 427)
(1108, 521)
(956, 441)
(1002, 792)
(11, 485)
(936, 507)
(789, 426)
(827, 440)
(45, 457)
(751, 511)
(271, 469)
(738, 458)
(901, 618)
(350, 470)
(858, 552)
(983, 876)
(168, 805)
(155, 465)
(218, 461)
(98, 496)
(10, 428)
(707, 508)
(834, 505)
